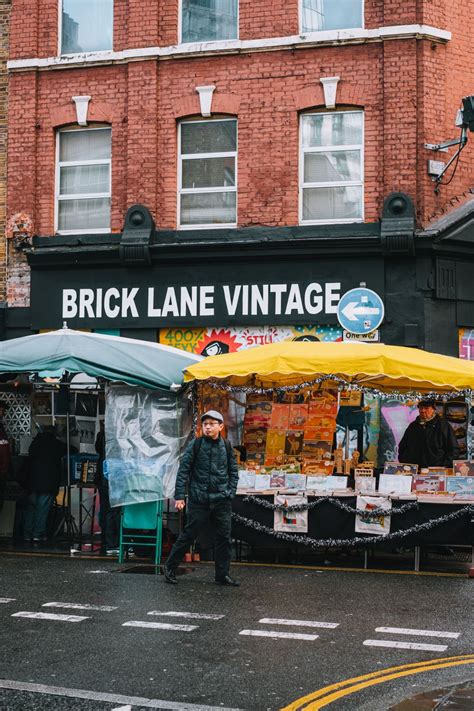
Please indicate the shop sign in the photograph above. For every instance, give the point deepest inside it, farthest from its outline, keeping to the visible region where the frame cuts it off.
(372, 337)
(226, 294)
(360, 311)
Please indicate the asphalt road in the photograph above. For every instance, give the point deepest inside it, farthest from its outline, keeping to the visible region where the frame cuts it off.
(214, 650)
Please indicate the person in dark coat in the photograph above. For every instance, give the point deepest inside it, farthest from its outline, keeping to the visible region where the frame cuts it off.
(45, 453)
(208, 474)
(5, 453)
(109, 518)
(429, 441)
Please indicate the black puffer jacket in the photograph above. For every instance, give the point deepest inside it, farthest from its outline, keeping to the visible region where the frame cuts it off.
(210, 476)
(46, 453)
(429, 444)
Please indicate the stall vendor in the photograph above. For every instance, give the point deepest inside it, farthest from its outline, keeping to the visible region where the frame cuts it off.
(429, 441)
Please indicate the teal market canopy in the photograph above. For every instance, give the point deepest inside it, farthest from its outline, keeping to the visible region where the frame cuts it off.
(114, 358)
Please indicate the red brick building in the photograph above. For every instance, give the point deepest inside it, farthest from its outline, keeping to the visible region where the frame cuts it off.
(265, 139)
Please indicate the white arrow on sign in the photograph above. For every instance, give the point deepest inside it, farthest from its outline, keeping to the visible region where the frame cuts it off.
(352, 311)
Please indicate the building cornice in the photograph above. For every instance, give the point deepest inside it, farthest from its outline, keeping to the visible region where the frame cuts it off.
(196, 50)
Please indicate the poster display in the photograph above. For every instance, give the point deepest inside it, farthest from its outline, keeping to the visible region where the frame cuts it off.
(378, 525)
(291, 521)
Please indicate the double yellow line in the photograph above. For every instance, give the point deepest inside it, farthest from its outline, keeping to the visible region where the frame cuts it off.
(328, 694)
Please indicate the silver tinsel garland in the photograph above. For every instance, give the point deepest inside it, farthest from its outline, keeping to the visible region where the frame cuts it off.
(358, 540)
(334, 502)
(218, 384)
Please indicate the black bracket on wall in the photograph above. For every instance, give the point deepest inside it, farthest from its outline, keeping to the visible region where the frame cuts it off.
(398, 226)
(137, 232)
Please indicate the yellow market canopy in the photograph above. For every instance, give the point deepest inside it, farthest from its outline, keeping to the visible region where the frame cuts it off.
(381, 367)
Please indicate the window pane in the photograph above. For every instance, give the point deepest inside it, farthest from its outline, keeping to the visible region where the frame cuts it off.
(332, 129)
(84, 145)
(332, 203)
(87, 25)
(208, 208)
(84, 179)
(209, 20)
(208, 173)
(331, 14)
(93, 213)
(208, 137)
(332, 166)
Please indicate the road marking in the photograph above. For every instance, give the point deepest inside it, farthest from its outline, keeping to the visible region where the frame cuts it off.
(123, 708)
(4, 600)
(299, 623)
(281, 635)
(160, 626)
(78, 606)
(326, 695)
(111, 698)
(405, 645)
(187, 615)
(50, 616)
(419, 633)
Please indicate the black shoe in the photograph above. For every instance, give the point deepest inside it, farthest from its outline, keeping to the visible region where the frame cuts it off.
(170, 575)
(227, 580)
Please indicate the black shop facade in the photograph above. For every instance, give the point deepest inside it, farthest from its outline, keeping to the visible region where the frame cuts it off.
(227, 289)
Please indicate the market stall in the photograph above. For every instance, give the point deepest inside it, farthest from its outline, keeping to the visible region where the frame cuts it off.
(302, 483)
(69, 382)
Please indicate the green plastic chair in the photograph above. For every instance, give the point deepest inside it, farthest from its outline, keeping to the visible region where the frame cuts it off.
(141, 517)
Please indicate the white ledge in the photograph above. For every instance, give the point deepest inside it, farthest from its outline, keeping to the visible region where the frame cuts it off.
(310, 39)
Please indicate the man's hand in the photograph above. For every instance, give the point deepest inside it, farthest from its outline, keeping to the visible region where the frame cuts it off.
(180, 504)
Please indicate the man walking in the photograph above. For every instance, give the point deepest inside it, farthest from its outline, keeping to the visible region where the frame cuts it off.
(208, 472)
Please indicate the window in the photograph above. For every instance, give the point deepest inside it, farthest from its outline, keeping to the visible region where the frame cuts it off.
(86, 25)
(330, 14)
(331, 167)
(205, 20)
(208, 173)
(83, 181)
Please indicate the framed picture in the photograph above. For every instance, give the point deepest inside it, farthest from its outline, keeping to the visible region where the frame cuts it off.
(395, 484)
(365, 484)
(463, 467)
(434, 484)
(392, 468)
(461, 486)
(378, 525)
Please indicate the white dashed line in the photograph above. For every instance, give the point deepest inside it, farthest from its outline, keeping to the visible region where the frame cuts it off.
(281, 635)
(160, 626)
(50, 616)
(187, 615)
(78, 606)
(299, 623)
(405, 645)
(418, 633)
(5, 600)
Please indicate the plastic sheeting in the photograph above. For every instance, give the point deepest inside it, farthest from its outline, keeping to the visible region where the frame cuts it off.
(145, 431)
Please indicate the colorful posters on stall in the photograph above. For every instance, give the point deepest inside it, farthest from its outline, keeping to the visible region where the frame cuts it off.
(376, 525)
(291, 521)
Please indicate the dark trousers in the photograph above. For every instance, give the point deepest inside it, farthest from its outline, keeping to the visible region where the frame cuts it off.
(109, 518)
(219, 514)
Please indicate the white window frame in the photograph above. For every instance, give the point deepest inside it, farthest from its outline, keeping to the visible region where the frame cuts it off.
(180, 27)
(305, 32)
(60, 35)
(331, 184)
(191, 191)
(79, 196)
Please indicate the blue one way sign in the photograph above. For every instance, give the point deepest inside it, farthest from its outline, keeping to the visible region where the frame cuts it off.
(360, 310)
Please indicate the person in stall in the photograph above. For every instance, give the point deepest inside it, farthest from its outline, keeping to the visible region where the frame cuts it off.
(429, 441)
(109, 518)
(44, 478)
(5, 453)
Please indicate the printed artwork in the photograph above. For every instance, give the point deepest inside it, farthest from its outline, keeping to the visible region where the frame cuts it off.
(464, 467)
(466, 343)
(214, 341)
(365, 484)
(460, 486)
(277, 480)
(434, 484)
(262, 482)
(246, 479)
(391, 468)
(378, 525)
(296, 481)
(390, 484)
(326, 483)
(291, 521)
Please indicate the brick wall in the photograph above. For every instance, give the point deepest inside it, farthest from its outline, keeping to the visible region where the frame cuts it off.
(409, 90)
(4, 22)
